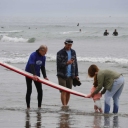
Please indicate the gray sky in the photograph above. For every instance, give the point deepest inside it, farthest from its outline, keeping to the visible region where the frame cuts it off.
(64, 7)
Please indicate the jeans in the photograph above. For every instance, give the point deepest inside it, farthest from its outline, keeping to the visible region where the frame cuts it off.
(115, 93)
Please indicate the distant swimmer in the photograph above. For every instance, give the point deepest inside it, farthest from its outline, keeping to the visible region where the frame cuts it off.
(106, 33)
(78, 24)
(115, 33)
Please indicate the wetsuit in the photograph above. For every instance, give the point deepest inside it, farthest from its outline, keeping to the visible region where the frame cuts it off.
(115, 33)
(35, 63)
(106, 33)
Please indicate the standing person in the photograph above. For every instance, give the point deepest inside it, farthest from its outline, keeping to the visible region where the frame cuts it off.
(67, 69)
(113, 84)
(96, 97)
(106, 33)
(115, 33)
(36, 62)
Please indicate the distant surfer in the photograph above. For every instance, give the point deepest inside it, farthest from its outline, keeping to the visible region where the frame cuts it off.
(80, 30)
(36, 62)
(115, 33)
(67, 69)
(106, 33)
(78, 24)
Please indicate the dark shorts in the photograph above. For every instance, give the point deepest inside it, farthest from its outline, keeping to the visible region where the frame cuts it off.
(67, 82)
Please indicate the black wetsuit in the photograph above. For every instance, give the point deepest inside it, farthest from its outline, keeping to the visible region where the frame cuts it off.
(106, 33)
(37, 84)
(29, 91)
(115, 33)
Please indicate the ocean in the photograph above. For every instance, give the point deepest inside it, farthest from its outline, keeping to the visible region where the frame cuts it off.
(19, 37)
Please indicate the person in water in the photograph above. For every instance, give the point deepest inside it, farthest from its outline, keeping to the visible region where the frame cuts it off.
(115, 33)
(67, 69)
(36, 62)
(106, 33)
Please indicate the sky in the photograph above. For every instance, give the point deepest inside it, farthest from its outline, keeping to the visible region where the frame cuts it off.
(62, 8)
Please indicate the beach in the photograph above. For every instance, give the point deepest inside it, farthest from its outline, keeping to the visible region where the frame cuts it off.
(91, 48)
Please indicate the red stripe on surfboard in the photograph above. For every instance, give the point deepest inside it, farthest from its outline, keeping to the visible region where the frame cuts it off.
(24, 73)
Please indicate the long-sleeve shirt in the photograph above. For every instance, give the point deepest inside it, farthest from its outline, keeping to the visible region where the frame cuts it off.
(105, 80)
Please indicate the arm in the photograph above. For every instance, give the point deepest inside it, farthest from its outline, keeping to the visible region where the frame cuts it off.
(100, 78)
(76, 68)
(44, 72)
(32, 69)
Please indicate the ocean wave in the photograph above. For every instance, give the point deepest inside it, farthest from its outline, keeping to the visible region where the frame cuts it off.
(69, 32)
(31, 40)
(52, 58)
(13, 31)
(124, 36)
(5, 38)
(13, 39)
(3, 34)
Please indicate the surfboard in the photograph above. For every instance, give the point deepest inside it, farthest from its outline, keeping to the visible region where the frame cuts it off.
(41, 80)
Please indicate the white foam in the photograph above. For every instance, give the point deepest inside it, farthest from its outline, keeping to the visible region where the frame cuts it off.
(13, 39)
(13, 31)
(104, 59)
(68, 32)
(50, 57)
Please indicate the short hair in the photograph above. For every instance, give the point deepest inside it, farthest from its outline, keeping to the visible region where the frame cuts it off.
(43, 47)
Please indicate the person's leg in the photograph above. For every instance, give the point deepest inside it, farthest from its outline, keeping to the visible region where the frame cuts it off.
(62, 82)
(29, 91)
(120, 85)
(40, 93)
(98, 105)
(100, 109)
(95, 108)
(107, 99)
(69, 83)
(63, 98)
(110, 94)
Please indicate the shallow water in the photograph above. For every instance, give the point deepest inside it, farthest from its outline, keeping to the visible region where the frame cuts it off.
(79, 113)
(91, 48)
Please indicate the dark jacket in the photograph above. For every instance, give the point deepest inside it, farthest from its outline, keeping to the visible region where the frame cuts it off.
(62, 58)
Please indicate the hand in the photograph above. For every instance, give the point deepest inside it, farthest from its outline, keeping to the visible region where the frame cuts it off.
(77, 77)
(35, 78)
(46, 78)
(70, 61)
(88, 96)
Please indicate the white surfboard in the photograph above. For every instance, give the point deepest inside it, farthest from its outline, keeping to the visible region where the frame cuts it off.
(46, 82)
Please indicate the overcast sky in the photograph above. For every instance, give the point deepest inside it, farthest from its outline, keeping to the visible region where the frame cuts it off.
(64, 7)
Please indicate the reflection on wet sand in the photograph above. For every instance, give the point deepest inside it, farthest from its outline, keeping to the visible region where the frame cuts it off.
(27, 124)
(38, 123)
(28, 121)
(64, 118)
(108, 124)
(97, 121)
